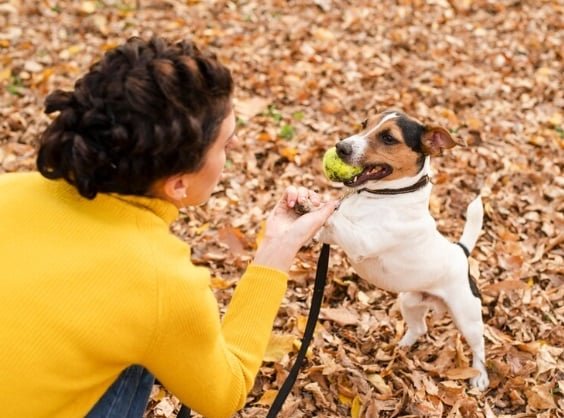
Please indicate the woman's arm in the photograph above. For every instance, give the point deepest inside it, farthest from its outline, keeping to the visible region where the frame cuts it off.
(211, 364)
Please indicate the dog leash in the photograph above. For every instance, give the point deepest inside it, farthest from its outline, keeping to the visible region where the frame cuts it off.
(316, 299)
(184, 412)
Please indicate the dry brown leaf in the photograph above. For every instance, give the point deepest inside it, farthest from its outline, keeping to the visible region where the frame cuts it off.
(540, 397)
(247, 109)
(234, 238)
(379, 383)
(547, 359)
(506, 285)
(342, 316)
(461, 373)
(490, 72)
(450, 392)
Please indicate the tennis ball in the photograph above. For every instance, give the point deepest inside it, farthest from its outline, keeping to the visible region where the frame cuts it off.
(336, 169)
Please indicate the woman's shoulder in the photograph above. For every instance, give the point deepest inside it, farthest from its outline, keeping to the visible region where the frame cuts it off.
(20, 177)
(172, 257)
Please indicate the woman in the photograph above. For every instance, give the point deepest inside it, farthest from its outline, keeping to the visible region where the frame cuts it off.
(96, 295)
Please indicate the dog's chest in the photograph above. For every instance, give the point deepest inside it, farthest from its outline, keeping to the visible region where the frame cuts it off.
(396, 245)
(394, 274)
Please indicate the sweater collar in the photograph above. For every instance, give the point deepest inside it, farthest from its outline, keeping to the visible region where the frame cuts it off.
(163, 209)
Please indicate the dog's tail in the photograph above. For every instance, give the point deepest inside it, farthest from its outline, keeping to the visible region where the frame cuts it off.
(473, 226)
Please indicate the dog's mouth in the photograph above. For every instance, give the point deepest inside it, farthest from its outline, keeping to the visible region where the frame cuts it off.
(370, 172)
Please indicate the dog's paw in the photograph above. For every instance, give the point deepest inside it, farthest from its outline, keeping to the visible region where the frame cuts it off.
(481, 381)
(408, 339)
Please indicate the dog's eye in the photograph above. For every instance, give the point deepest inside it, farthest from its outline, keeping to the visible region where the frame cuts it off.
(388, 139)
(364, 123)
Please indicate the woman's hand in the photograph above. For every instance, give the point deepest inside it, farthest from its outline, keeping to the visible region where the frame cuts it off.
(285, 222)
(286, 231)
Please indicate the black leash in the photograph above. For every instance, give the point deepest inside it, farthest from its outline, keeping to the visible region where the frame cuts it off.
(316, 299)
(184, 412)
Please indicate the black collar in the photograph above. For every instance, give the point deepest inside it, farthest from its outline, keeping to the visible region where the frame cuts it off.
(422, 182)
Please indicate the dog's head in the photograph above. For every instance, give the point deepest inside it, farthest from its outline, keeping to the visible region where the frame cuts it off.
(391, 146)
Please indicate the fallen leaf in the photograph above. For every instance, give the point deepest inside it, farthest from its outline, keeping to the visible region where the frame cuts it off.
(379, 383)
(461, 373)
(288, 152)
(234, 239)
(267, 397)
(247, 109)
(342, 316)
(278, 346)
(540, 396)
(355, 407)
(505, 285)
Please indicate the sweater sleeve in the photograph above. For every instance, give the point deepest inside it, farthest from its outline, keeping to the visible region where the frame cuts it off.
(208, 364)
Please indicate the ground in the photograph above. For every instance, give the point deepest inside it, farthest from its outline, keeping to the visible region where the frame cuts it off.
(307, 73)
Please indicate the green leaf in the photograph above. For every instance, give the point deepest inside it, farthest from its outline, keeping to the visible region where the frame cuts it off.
(274, 114)
(287, 132)
(299, 115)
(15, 86)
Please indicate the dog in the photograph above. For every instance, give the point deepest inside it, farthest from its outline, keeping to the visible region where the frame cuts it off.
(390, 238)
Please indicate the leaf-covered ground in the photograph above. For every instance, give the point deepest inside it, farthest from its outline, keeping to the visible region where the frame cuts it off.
(307, 72)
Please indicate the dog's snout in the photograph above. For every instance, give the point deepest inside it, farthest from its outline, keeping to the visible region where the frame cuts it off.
(344, 149)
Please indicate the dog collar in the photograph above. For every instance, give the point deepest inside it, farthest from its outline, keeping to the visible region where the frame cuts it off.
(419, 184)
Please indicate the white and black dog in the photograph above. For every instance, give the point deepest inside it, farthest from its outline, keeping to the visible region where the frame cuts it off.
(389, 236)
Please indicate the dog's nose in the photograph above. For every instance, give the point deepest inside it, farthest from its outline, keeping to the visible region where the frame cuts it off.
(344, 149)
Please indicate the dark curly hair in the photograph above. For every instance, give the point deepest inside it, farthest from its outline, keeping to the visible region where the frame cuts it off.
(145, 111)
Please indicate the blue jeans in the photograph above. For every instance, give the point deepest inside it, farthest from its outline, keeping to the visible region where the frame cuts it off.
(127, 397)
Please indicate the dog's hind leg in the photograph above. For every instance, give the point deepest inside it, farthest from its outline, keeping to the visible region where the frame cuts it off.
(413, 309)
(466, 311)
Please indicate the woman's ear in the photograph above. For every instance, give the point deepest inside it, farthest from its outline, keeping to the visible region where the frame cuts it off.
(175, 188)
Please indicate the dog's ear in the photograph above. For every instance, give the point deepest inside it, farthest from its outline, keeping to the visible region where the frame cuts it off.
(435, 139)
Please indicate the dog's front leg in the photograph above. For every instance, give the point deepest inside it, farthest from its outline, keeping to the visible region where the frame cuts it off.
(357, 242)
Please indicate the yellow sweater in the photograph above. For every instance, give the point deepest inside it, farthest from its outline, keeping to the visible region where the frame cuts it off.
(88, 288)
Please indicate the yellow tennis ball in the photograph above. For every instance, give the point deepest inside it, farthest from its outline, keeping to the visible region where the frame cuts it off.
(336, 169)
